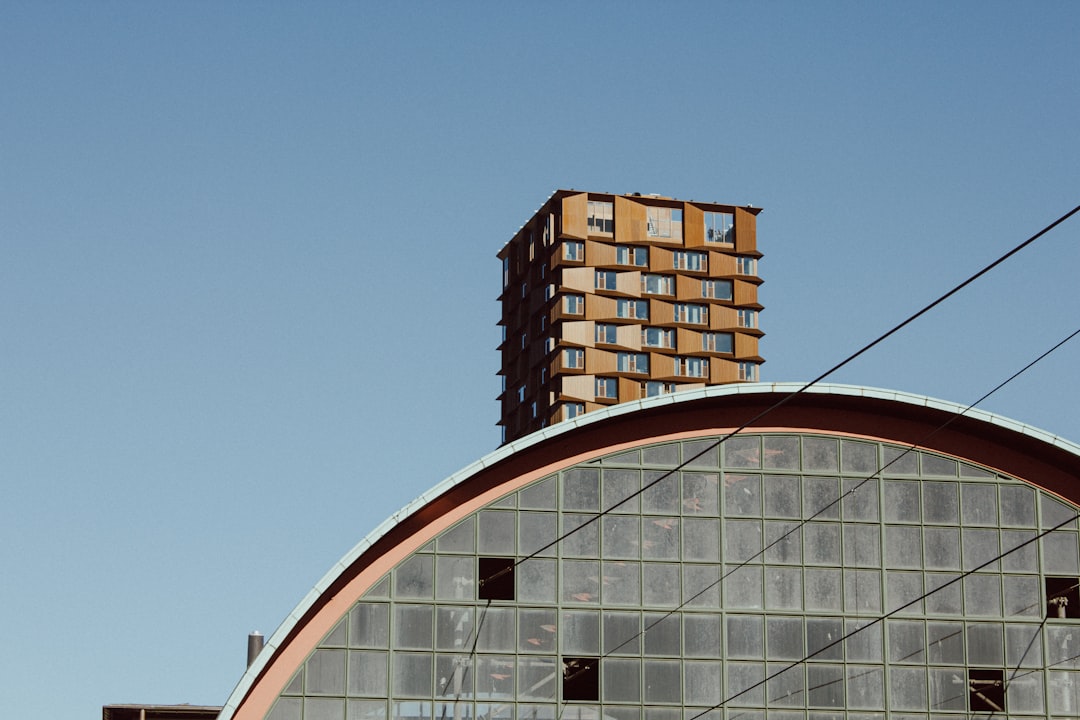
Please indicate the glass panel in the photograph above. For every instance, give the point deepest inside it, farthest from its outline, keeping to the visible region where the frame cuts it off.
(937, 465)
(662, 634)
(1017, 506)
(862, 591)
(783, 496)
(1059, 552)
(742, 451)
(368, 673)
(860, 501)
(902, 501)
(979, 504)
(941, 502)
(907, 688)
(536, 580)
(701, 586)
(662, 681)
(460, 538)
(580, 536)
(907, 641)
(662, 492)
(863, 641)
(825, 685)
(742, 494)
(581, 489)
(784, 638)
(540, 495)
(781, 452)
(326, 673)
(980, 548)
(823, 638)
(783, 542)
(903, 546)
(413, 627)
(622, 633)
(821, 454)
(823, 589)
(621, 680)
(535, 531)
(369, 625)
(701, 453)
(862, 545)
(941, 547)
(904, 590)
(621, 583)
(496, 629)
(741, 677)
(412, 675)
(660, 585)
(822, 543)
(865, 687)
(414, 578)
(620, 488)
(900, 460)
(579, 633)
(742, 588)
(985, 644)
(701, 539)
(783, 588)
(455, 578)
(944, 594)
(701, 636)
(742, 540)
(702, 682)
(821, 498)
(700, 492)
(945, 643)
(859, 457)
(498, 532)
(324, 709)
(982, 594)
(537, 630)
(660, 538)
(664, 455)
(580, 581)
(745, 636)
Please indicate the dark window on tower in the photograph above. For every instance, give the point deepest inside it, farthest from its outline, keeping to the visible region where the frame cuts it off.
(1062, 597)
(986, 690)
(496, 578)
(581, 678)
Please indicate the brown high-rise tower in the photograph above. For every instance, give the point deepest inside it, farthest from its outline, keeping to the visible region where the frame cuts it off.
(608, 298)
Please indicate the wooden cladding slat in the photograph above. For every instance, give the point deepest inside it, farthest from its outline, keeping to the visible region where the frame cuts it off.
(578, 387)
(598, 307)
(579, 279)
(687, 288)
(630, 220)
(723, 371)
(745, 231)
(575, 210)
(599, 362)
(723, 318)
(661, 313)
(661, 260)
(693, 226)
(722, 264)
(629, 336)
(746, 346)
(687, 341)
(598, 253)
(745, 293)
(629, 389)
(629, 283)
(578, 332)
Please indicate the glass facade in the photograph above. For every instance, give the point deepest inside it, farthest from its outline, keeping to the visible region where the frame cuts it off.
(778, 577)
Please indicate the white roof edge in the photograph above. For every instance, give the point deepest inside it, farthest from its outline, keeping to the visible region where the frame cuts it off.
(544, 434)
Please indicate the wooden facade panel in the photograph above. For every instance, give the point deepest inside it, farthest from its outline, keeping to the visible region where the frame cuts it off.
(598, 253)
(723, 318)
(629, 389)
(746, 346)
(745, 231)
(579, 279)
(661, 313)
(630, 220)
(629, 283)
(687, 341)
(578, 332)
(723, 371)
(722, 264)
(662, 367)
(578, 387)
(575, 210)
(598, 307)
(693, 226)
(688, 288)
(629, 336)
(661, 260)
(600, 362)
(745, 293)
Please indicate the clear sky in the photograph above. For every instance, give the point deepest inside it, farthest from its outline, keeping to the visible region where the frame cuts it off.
(248, 278)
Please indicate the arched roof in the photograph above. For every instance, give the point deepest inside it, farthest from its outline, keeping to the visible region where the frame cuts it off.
(1005, 445)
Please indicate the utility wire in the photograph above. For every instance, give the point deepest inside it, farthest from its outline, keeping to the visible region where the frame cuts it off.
(789, 397)
(884, 617)
(851, 491)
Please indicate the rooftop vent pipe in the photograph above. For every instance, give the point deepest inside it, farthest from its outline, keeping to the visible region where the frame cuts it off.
(255, 646)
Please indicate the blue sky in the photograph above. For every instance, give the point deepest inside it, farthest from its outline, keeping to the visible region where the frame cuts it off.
(248, 274)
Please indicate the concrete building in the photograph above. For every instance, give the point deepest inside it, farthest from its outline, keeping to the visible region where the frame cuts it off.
(609, 298)
(855, 553)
